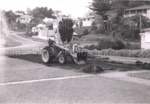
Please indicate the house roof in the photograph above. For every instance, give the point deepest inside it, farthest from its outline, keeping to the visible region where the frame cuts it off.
(26, 16)
(40, 25)
(48, 20)
(139, 8)
(75, 34)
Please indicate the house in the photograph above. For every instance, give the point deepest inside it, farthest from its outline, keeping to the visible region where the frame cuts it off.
(46, 34)
(24, 19)
(87, 21)
(142, 10)
(39, 27)
(145, 38)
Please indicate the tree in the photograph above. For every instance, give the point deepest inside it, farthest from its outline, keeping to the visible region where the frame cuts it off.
(66, 30)
(101, 7)
(41, 12)
(28, 11)
(19, 11)
(10, 18)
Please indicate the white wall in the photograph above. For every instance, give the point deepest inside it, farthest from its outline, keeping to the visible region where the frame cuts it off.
(88, 22)
(145, 40)
(24, 20)
(45, 34)
(148, 14)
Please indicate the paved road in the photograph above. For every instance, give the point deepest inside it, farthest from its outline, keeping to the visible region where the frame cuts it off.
(26, 82)
(28, 46)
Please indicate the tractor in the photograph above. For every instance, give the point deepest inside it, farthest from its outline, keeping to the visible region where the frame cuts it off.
(56, 51)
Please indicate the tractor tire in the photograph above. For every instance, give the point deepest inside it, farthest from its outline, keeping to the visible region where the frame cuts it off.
(46, 55)
(62, 59)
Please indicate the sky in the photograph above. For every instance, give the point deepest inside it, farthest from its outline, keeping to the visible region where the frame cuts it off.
(77, 8)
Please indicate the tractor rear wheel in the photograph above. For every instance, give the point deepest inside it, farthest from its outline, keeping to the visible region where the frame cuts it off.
(46, 55)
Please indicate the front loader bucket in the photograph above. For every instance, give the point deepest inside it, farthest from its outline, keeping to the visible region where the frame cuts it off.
(80, 58)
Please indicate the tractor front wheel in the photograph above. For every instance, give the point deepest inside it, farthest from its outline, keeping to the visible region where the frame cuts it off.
(62, 59)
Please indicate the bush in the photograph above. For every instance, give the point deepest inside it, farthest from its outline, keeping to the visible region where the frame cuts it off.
(130, 33)
(132, 46)
(105, 44)
(126, 53)
(91, 47)
(85, 32)
(118, 45)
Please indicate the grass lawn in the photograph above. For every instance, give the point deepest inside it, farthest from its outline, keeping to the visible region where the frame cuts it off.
(34, 39)
(81, 42)
(143, 75)
(11, 43)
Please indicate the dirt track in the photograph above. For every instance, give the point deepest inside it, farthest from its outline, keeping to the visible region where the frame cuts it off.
(107, 66)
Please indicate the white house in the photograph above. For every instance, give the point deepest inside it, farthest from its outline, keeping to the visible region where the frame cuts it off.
(24, 19)
(87, 21)
(145, 39)
(39, 27)
(46, 34)
(142, 10)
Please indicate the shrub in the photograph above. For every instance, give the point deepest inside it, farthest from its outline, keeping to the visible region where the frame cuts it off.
(85, 32)
(91, 47)
(132, 46)
(105, 44)
(118, 45)
(126, 53)
(130, 33)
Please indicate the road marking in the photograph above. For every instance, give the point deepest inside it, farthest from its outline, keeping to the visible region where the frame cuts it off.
(43, 80)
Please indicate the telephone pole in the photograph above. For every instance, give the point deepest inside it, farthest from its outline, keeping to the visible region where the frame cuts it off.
(140, 22)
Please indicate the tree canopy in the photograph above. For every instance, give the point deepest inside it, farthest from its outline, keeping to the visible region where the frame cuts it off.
(100, 7)
(41, 12)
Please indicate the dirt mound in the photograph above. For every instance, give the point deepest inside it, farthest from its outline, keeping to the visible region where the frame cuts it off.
(93, 69)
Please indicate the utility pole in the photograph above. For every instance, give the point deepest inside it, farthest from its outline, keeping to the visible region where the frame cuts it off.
(0, 24)
(140, 22)
(26, 27)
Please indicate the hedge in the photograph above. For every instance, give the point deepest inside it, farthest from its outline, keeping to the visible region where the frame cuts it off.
(124, 53)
